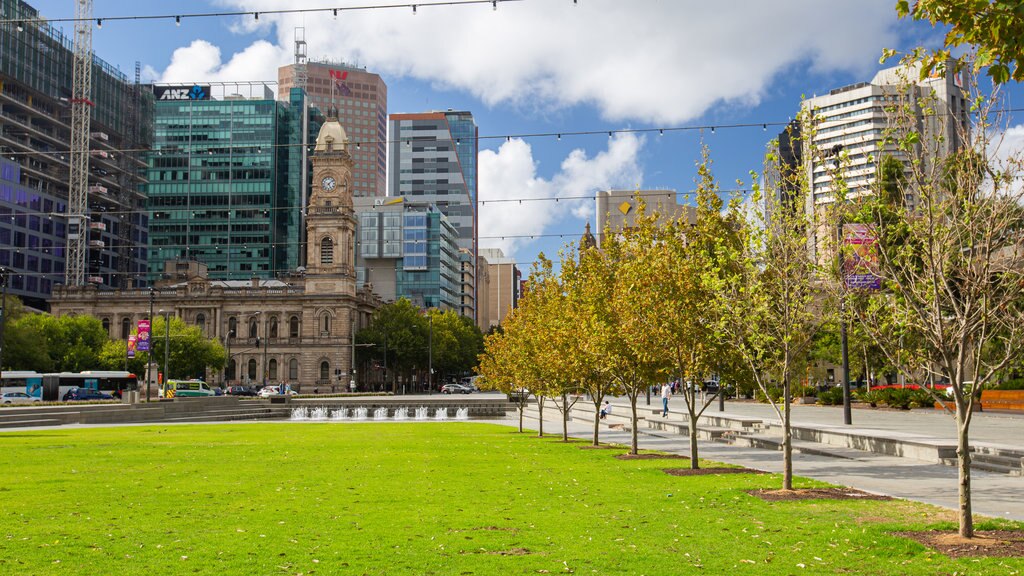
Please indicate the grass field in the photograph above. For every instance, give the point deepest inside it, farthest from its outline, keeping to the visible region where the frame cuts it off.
(434, 498)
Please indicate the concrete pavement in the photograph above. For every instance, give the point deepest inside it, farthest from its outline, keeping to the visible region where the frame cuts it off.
(996, 495)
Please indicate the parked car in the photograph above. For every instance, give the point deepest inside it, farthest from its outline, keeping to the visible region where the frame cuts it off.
(456, 389)
(17, 398)
(241, 391)
(269, 391)
(85, 394)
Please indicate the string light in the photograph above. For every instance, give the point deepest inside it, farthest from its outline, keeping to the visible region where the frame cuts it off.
(257, 15)
(177, 20)
(413, 9)
(21, 27)
(99, 23)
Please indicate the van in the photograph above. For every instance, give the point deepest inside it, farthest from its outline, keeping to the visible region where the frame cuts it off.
(186, 389)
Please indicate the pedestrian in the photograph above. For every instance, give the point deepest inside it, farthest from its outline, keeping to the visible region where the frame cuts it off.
(666, 393)
(606, 410)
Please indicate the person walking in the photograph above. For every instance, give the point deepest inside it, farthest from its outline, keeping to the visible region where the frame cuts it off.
(606, 410)
(666, 393)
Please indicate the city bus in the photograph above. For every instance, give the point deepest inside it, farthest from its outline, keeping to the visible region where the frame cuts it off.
(52, 387)
(25, 381)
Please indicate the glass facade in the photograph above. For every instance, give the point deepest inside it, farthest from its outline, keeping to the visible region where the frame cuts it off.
(224, 185)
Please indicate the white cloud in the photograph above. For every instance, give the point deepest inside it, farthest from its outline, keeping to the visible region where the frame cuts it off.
(1006, 151)
(660, 61)
(201, 61)
(510, 173)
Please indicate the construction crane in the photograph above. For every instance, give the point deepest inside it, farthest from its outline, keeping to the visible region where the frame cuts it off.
(81, 112)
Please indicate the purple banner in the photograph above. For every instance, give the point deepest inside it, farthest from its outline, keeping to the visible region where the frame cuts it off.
(142, 340)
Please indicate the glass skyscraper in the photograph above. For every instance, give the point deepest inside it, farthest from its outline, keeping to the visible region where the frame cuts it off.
(224, 185)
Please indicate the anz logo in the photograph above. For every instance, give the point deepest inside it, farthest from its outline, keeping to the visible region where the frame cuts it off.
(196, 92)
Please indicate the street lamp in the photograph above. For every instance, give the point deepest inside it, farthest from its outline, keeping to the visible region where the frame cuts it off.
(230, 336)
(3, 314)
(149, 351)
(167, 342)
(266, 341)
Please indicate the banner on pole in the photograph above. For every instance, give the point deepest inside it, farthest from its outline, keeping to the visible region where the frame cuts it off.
(142, 340)
(131, 346)
(860, 266)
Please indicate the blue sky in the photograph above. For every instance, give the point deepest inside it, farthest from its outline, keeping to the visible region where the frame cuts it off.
(548, 66)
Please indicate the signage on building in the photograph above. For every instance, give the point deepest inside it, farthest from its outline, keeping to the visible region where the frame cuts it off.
(193, 92)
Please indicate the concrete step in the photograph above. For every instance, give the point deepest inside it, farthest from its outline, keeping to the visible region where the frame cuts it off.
(770, 442)
(683, 429)
(30, 422)
(997, 463)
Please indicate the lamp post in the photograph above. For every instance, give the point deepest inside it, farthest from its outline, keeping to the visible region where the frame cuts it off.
(149, 352)
(167, 342)
(430, 354)
(3, 314)
(266, 338)
(230, 336)
(843, 340)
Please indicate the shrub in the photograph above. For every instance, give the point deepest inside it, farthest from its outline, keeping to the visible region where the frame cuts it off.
(831, 397)
(776, 395)
(799, 391)
(1011, 384)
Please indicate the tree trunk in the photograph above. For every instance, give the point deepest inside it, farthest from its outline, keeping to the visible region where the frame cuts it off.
(633, 445)
(787, 437)
(522, 408)
(963, 457)
(693, 437)
(540, 416)
(597, 422)
(565, 419)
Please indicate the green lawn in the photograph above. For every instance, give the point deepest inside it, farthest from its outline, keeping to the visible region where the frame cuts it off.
(434, 498)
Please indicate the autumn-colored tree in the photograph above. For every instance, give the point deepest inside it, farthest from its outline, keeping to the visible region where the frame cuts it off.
(506, 365)
(774, 295)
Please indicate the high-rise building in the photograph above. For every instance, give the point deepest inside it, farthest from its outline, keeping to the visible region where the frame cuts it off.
(504, 280)
(36, 69)
(225, 183)
(359, 100)
(617, 209)
(408, 249)
(434, 160)
(852, 121)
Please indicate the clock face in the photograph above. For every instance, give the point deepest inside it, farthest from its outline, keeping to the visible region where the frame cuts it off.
(328, 183)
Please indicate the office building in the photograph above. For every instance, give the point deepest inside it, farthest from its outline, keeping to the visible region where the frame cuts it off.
(408, 250)
(617, 209)
(225, 182)
(359, 100)
(851, 122)
(434, 160)
(504, 279)
(36, 62)
(297, 329)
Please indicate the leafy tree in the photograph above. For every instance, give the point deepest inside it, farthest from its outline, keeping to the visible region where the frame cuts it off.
(403, 332)
(190, 353)
(69, 343)
(505, 364)
(994, 28)
(952, 273)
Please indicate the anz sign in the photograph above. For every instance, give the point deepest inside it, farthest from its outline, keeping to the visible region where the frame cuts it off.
(194, 92)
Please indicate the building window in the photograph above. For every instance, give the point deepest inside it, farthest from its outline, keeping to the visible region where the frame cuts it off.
(326, 251)
(293, 327)
(325, 370)
(293, 369)
(126, 328)
(273, 327)
(272, 368)
(232, 368)
(253, 328)
(201, 322)
(106, 326)
(325, 324)
(252, 369)
(232, 327)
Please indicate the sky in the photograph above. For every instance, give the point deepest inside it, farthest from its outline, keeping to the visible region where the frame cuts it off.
(551, 67)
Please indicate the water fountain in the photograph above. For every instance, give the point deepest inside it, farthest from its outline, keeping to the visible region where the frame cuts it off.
(462, 414)
(340, 414)
(441, 414)
(299, 414)
(421, 413)
(380, 413)
(359, 413)
(319, 413)
(401, 414)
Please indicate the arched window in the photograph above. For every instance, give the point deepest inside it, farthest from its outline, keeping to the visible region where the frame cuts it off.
(252, 369)
(232, 327)
(232, 369)
(201, 321)
(272, 368)
(325, 370)
(293, 327)
(253, 328)
(293, 369)
(126, 328)
(326, 251)
(273, 327)
(106, 326)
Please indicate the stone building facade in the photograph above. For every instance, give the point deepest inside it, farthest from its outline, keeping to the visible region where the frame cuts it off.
(304, 323)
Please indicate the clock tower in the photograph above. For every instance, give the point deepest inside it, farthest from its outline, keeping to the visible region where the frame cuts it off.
(330, 217)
